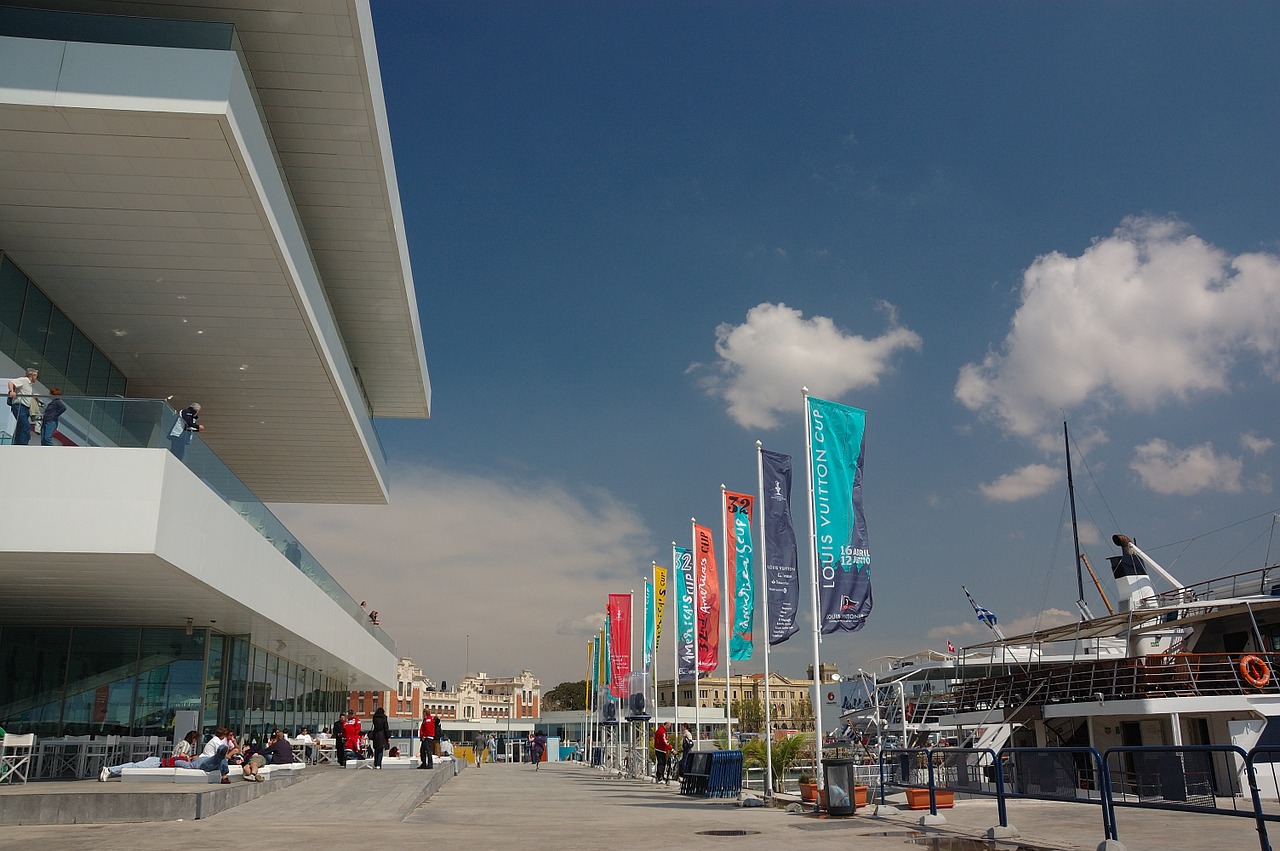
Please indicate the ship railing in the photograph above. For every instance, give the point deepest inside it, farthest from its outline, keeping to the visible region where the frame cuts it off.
(1157, 675)
(1264, 581)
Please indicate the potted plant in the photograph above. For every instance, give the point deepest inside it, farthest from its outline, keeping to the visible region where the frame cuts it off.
(786, 753)
(918, 799)
(808, 788)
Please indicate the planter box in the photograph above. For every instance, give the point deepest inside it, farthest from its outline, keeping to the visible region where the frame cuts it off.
(918, 799)
(808, 792)
(860, 794)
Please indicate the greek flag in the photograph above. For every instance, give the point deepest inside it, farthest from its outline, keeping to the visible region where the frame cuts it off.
(984, 614)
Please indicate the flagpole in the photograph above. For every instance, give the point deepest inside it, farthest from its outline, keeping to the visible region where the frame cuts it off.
(675, 652)
(631, 655)
(586, 710)
(724, 607)
(697, 651)
(768, 626)
(813, 600)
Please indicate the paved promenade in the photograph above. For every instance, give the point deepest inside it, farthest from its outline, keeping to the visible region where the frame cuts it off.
(568, 806)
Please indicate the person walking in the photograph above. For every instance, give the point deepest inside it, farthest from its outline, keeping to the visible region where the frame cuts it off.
(661, 747)
(539, 748)
(52, 412)
(427, 738)
(381, 736)
(492, 747)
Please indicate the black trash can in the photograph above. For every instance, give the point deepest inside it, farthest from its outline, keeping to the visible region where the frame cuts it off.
(840, 779)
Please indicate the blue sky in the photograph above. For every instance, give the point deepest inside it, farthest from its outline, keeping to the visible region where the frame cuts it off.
(638, 229)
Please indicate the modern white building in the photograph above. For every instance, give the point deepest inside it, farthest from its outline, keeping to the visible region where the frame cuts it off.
(198, 202)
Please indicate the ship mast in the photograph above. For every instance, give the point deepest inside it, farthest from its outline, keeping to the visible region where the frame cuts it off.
(1075, 529)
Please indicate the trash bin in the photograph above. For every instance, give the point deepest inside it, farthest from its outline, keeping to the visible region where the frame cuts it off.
(840, 778)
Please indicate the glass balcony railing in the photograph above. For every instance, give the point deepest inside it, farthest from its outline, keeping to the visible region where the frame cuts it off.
(146, 423)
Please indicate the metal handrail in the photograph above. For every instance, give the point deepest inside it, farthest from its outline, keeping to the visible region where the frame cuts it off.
(1163, 675)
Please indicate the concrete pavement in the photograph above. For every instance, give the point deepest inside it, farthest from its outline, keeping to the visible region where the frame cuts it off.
(569, 806)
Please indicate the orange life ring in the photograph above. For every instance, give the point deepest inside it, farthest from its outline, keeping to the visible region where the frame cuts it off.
(1255, 671)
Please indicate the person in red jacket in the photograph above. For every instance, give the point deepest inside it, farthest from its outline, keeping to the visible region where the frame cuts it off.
(351, 733)
(661, 747)
(427, 735)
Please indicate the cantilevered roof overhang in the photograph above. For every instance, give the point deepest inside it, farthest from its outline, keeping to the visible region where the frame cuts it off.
(225, 225)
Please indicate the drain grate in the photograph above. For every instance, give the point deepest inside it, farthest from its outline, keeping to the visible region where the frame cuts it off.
(727, 832)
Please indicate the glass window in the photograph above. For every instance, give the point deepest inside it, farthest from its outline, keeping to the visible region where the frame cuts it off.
(34, 327)
(99, 374)
(78, 363)
(214, 670)
(32, 675)
(100, 681)
(13, 292)
(57, 347)
(116, 383)
(169, 679)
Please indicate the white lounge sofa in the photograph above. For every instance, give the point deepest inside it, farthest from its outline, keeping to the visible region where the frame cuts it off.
(195, 775)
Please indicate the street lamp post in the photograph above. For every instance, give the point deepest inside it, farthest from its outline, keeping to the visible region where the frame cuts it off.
(875, 701)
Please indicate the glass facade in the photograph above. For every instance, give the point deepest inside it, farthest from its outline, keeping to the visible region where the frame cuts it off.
(132, 681)
(34, 332)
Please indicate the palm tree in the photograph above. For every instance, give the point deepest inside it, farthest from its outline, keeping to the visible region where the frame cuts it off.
(786, 753)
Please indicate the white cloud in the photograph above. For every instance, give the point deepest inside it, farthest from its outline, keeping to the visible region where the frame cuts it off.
(1255, 444)
(522, 568)
(1031, 480)
(1148, 314)
(586, 627)
(765, 361)
(1018, 626)
(1167, 470)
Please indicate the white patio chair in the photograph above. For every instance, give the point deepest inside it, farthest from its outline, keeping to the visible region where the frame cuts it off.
(15, 757)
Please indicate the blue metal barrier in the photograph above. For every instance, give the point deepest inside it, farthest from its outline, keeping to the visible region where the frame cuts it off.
(1182, 778)
(726, 774)
(712, 774)
(972, 777)
(911, 768)
(1045, 774)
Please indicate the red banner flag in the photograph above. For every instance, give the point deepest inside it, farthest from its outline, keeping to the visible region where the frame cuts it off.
(707, 599)
(619, 642)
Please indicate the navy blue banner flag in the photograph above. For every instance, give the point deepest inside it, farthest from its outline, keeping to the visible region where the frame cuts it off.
(782, 579)
(843, 566)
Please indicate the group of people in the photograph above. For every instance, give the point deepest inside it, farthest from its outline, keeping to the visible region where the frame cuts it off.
(28, 408)
(349, 733)
(485, 748)
(220, 752)
(664, 770)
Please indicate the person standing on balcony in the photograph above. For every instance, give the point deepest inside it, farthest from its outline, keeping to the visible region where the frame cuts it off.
(187, 424)
(52, 411)
(22, 398)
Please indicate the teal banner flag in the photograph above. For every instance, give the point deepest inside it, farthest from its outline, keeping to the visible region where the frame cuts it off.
(595, 665)
(836, 434)
(649, 624)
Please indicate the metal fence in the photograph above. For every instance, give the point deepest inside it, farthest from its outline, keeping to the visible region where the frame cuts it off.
(1216, 779)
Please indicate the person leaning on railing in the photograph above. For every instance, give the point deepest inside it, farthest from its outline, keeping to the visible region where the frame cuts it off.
(24, 402)
(187, 424)
(52, 412)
